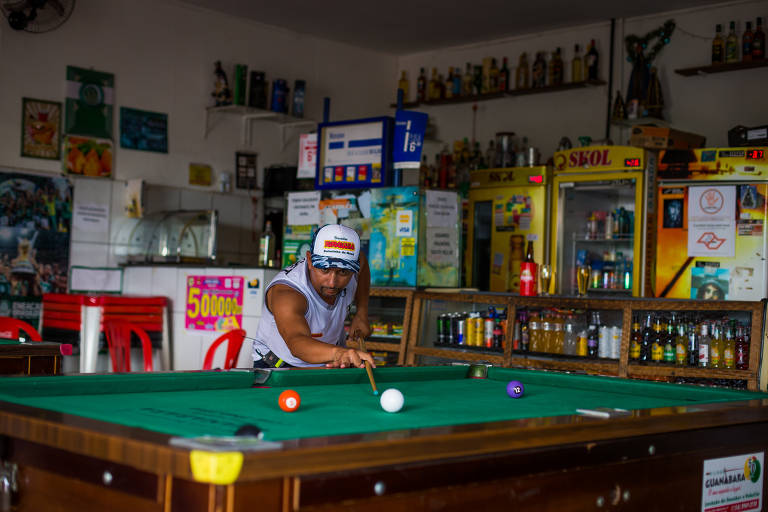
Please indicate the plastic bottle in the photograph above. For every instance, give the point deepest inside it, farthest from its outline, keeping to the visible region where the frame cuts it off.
(570, 338)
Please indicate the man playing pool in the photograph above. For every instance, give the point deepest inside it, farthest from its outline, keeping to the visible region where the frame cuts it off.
(302, 322)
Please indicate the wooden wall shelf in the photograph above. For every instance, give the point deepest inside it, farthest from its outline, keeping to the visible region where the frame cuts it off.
(722, 68)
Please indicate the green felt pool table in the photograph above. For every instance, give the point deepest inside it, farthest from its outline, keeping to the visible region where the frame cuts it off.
(143, 441)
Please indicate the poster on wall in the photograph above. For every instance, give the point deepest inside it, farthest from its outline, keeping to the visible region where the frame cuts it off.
(214, 303)
(143, 130)
(90, 96)
(41, 129)
(35, 219)
(87, 156)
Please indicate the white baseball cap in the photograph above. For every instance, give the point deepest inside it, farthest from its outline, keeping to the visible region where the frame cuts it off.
(336, 246)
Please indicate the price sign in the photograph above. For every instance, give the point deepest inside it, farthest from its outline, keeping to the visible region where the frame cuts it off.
(214, 303)
(307, 155)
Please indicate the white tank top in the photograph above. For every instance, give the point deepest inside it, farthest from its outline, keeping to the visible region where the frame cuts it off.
(326, 322)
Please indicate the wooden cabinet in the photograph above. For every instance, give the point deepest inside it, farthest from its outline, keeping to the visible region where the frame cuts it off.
(425, 345)
(389, 312)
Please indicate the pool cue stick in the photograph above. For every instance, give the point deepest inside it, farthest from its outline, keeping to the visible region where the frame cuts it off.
(368, 366)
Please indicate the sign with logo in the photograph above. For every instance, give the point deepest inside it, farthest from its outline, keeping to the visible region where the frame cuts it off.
(214, 303)
(408, 139)
(712, 221)
(307, 155)
(599, 158)
(404, 223)
(733, 484)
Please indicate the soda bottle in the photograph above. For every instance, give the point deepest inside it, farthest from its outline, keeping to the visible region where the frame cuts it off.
(528, 273)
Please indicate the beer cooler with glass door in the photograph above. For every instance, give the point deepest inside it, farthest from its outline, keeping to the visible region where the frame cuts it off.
(600, 196)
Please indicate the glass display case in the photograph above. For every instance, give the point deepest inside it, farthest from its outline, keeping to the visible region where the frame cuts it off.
(389, 312)
(594, 336)
(172, 237)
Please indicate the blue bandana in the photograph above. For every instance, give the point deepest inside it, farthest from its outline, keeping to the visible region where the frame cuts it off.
(319, 261)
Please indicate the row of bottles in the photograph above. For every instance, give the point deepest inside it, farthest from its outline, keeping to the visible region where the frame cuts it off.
(611, 270)
(489, 78)
(610, 225)
(451, 169)
(728, 50)
(571, 332)
(703, 343)
(473, 329)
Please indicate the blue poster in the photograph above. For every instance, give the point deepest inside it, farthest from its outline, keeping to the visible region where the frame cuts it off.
(408, 139)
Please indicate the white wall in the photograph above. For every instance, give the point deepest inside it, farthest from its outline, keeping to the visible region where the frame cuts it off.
(707, 105)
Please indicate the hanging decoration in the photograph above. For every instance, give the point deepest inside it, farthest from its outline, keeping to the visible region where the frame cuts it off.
(636, 46)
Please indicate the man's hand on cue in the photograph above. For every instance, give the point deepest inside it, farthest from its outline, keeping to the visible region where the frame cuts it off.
(349, 358)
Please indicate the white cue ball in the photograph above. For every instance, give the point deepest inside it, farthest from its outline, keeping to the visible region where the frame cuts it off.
(392, 400)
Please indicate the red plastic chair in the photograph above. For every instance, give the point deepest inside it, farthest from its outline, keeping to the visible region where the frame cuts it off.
(13, 329)
(118, 333)
(235, 338)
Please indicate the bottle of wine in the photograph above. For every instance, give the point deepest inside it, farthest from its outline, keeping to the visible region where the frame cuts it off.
(577, 70)
(758, 41)
(592, 61)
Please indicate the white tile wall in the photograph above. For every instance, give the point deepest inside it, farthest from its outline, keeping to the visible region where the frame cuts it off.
(88, 254)
(162, 199)
(137, 281)
(187, 346)
(164, 282)
(195, 200)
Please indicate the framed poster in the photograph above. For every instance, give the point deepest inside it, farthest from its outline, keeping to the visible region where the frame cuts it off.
(245, 170)
(143, 130)
(41, 129)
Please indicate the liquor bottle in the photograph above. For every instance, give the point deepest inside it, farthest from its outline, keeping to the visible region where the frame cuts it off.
(528, 273)
(448, 85)
(539, 71)
(525, 332)
(522, 74)
(433, 88)
(593, 335)
(456, 87)
(592, 61)
(440, 87)
(504, 76)
(681, 345)
(467, 81)
(493, 77)
(267, 248)
(718, 46)
(477, 81)
(742, 349)
(732, 45)
(693, 344)
(657, 345)
(716, 346)
(636, 341)
(402, 84)
(556, 69)
(645, 348)
(729, 346)
(421, 86)
(704, 341)
(746, 43)
(669, 344)
(577, 69)
(758, 41)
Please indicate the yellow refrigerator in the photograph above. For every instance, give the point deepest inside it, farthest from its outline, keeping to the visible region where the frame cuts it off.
(506, 208)
(600, 196)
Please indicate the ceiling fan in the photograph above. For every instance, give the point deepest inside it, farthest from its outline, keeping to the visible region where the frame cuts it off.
(36, 16)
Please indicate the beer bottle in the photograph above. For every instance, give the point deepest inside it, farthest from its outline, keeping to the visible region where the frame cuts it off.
(528, 273)
(746, 43)
(729, 347)
(577, 70)
(715, 346)
(645, 348)
(636, 341)
(693, 344)
(669, 343)
(732, 45)
(421, 86)
(504, 76)
(681, 345)
(657, 346)
(758, 41)
(493, 77)
(267, 247)
(704, 341)
(467, 81)
(556, 69)
(522, 75)
(718, 46)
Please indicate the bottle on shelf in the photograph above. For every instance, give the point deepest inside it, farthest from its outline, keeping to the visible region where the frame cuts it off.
(635, 341)
(747, 39)
(593, 335)
(718, 46)
(522, 73)
(493, 77)
(758, 41)
(421, 86)
(657, 345)
(539, 71)
(592, 61)
(528, 273)
(556, 68)
(704, 342)
(534, 332)
(742, 349)
(467, 81)
(477, 81)
(267, 247)
(447, 86)
(669, 343)
(433, 87)
(715, 346)
(681, 345)
(570, 338)
(456, 85)
(693, 344)
(732, 45)
(729, 346)
(402, 84)
(577, 68)
(504, 76)
(582, 343)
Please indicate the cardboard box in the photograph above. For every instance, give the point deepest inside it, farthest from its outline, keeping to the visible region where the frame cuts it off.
(654, 137)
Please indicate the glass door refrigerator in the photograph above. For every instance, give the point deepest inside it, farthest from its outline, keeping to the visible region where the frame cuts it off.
(508, 207)
(600, 196)
(710, 224)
